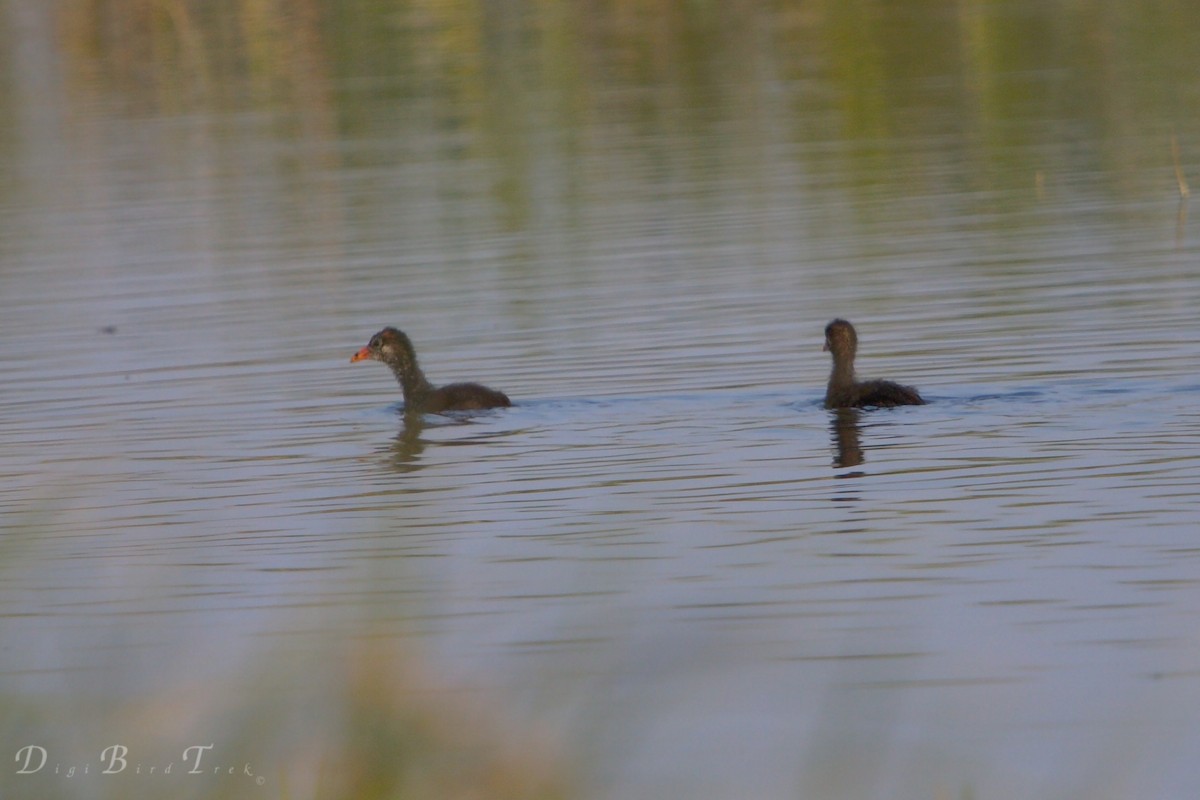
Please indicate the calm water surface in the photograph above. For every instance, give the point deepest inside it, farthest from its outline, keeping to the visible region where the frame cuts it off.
(667, 552)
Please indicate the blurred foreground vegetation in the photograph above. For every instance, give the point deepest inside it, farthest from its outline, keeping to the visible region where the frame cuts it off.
(368, 723)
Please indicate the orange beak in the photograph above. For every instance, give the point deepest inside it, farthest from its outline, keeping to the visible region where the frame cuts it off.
(361, 355)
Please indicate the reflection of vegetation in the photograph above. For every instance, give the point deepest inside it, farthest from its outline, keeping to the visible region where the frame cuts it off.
(179, 55)
(966, 75)
(866, 50)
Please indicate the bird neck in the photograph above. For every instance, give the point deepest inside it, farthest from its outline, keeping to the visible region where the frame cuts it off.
(412, 380)
(843, 370)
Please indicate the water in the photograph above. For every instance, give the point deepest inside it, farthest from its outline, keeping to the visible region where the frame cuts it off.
(667, 553)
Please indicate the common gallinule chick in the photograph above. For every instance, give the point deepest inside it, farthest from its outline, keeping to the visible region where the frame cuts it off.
(394, 348)
(844, 391)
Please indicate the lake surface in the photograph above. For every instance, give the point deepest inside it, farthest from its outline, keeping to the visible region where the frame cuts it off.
(667, 557)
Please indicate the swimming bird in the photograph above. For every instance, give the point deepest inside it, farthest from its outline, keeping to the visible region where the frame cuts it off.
(394, 348)
(844, 391)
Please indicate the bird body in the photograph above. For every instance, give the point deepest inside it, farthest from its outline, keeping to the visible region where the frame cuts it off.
(393, 347)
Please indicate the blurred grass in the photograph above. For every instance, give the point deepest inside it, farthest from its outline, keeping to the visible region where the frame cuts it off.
(356, 712)
(370, 724)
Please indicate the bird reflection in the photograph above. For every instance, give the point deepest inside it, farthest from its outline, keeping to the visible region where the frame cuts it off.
(408, 445)
(843, 426)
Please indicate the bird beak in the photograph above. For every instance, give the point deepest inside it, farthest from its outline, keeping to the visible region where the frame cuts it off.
(824, 349)
(361, 355)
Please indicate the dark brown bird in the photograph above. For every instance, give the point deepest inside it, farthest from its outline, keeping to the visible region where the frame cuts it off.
(844, 391)
(394, 348)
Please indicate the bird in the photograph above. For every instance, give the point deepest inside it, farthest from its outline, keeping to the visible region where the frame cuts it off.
(394, 348)
(844, 391)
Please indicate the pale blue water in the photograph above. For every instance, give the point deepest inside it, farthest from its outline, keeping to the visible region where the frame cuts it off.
(660, 554)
